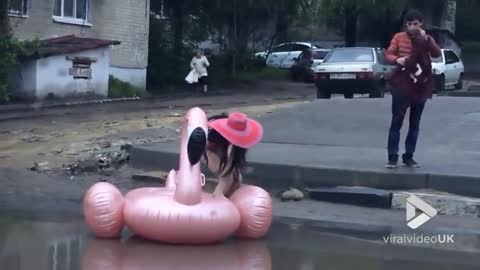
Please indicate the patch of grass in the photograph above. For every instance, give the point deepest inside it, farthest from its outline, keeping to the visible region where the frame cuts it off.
(118, 88)
(265, 74)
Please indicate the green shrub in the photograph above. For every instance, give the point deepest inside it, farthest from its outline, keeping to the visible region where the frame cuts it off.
(12, 51)
(267, 73)
(118, 88)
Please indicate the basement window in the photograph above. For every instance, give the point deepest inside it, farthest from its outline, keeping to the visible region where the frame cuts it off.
(81, 67)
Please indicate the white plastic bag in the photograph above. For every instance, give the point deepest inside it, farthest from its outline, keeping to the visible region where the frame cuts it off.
(192, 77)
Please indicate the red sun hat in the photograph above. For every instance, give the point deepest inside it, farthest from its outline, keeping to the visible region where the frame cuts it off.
(238, 129)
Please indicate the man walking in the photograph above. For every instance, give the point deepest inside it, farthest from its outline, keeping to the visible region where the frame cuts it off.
(410, 51)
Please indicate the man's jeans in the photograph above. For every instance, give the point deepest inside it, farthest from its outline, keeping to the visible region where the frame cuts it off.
(400, 104)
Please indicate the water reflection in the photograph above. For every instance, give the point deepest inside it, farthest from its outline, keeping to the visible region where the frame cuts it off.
(140, 254)
(26, 245)
(290, 244)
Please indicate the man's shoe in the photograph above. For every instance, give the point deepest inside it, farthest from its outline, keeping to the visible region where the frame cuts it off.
(411, 163)
(391, 164)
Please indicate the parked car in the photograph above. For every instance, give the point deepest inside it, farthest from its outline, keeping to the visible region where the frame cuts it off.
(283, 55)
(302, 69)
(448, 70)
(352, 70)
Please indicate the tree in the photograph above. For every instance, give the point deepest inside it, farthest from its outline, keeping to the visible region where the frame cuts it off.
(231, 23)
(7, 56)
(346, 13)
(379, 18)
(381, 22)
(465, 29)
(11, 49)
(236, 21)
(4, 23)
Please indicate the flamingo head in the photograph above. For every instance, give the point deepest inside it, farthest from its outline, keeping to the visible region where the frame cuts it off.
(194, 134)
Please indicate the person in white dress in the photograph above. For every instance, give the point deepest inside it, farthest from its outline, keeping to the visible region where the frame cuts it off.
(200, 63)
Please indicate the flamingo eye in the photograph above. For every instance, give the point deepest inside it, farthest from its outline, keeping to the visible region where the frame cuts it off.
(197, 142)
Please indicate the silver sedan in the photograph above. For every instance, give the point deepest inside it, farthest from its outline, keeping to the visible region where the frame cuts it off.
(352, 70)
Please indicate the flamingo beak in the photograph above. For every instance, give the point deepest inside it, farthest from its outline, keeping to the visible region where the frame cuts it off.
(197, 143)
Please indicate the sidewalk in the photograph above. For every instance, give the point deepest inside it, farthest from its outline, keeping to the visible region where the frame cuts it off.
(259, 87)
(259, 93)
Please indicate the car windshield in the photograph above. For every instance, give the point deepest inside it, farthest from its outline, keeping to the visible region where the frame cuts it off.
(350, 55)
(319, 55)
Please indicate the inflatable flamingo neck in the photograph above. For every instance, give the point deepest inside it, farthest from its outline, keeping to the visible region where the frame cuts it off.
(192, 146)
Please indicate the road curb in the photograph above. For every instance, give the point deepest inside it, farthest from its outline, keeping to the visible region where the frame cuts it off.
(462, 94)
(35, 107)
(375, 189)
(39, 105)
(283, 176)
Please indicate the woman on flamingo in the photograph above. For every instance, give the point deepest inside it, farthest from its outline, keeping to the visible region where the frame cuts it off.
(229, 138)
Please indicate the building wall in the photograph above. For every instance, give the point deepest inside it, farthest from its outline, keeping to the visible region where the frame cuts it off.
(123, 20)
(53, 75)
(23, 80)
(133, 76)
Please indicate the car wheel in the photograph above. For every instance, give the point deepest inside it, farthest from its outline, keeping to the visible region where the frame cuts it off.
(348, 95)
(323, 93)
(378, 90)
(440, 83)
(459, 84)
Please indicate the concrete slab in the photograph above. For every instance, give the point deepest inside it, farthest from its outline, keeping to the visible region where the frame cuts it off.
(369, 197)
(341, 142)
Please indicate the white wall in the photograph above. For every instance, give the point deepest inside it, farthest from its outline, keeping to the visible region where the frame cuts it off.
(136, 77)
(23, 80)
(53, 75)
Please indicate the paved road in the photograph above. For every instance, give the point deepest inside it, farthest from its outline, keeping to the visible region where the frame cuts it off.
(342, 142)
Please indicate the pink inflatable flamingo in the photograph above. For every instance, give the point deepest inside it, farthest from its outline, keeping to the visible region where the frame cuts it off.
(180, 212)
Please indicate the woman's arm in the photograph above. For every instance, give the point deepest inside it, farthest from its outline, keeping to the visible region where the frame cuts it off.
(228, 184)
(225, 183)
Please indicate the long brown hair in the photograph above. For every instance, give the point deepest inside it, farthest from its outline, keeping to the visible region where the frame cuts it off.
(219, 145)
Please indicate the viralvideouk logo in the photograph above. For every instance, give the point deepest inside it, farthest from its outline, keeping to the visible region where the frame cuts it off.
(428, 212)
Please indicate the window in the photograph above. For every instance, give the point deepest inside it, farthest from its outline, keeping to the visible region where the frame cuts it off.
(81, 67)
(282, 48)
(320, 55)
(451, 57)
(71, 11)
(299, 47)
(350, 55)
(18, 7)
(304, 55)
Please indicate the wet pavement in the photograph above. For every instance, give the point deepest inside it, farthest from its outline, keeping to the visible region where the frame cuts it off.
(290, 244)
